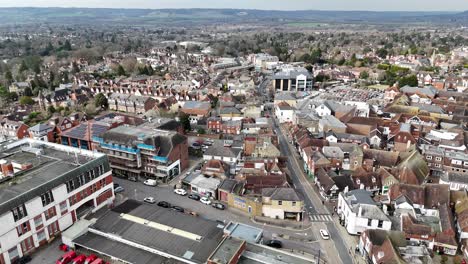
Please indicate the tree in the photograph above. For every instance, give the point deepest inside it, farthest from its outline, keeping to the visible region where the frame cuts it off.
(185, 121)
(75, 68)
(67, 46)
(26, 100)
(100, 100)
(382, 53)
(8, 77)
(23, 67)
(201, 131)
(364, 75)
(28, 91)
(410, 80)
(51, 109)
(121, 71)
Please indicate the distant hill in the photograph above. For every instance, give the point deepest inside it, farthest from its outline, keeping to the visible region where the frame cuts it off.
(9, 16)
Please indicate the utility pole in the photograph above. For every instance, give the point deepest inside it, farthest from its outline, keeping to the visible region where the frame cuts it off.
(318, 258)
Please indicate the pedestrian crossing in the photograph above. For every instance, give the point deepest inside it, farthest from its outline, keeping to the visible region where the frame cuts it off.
(321, 218)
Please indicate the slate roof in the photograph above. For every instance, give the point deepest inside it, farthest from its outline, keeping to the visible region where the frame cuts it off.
(281, 194)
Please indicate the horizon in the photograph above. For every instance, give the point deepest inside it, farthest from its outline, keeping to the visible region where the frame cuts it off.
(271, 5)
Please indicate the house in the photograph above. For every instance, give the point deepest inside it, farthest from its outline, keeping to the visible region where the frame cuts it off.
(344, 156)
(286, 97)
(282, 203)
(427, 198)
(403, 139)
(202, 184)
(230, 113)
(43, 132)
(390, 94)
(19, 87)
(359, 212)
(196, 110)
(216, 168)
(412, 169)
(333, 108)
(332, 123)
(131, 103)
(218, 151)
(266, 150)
(457, 181)
(330, 184)
(284, 112)
(13, 129)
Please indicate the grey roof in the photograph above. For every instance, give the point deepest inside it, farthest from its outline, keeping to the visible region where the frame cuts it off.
(50, 169)
(292, 74)
(429, 108)
(285, 96)
(359, 197)
(332, 121)
(337, 107)
(218, 149)
(229, 110)
(281, 194)
(168, 242)
(40, 127)
(430, 91)
(373, 212)
(454, 177)
(197, 105)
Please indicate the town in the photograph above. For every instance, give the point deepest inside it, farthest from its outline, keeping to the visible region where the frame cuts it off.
(243, 142)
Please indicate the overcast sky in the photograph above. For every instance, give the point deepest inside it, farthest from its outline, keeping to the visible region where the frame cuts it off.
(375, 5)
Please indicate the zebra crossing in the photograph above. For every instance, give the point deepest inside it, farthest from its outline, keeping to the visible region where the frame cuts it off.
(321, 218)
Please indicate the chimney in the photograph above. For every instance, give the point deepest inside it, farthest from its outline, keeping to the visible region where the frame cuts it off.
(7, 168)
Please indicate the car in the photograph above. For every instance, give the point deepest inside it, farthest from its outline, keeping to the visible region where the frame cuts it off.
(180, 192)
(98, 261)
(133, 179)
(119, 189)
(116, 185)
(205, 200)
(219, 206)
(178, 208)
(150, 182)
(274, 243)
(66, 258)
(194, 196)
(324, 234)
(164, 204)
(79, 260)
(90, 259)
(150, 200)
(23, 260)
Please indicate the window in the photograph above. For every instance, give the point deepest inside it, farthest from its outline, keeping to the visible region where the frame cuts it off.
(70, 185)
(49, 213)
(19, 212)
(52, 229)
(38, 221)
(438, 159)
(63, 207)
(13, 253)
(280, 202)
(41, 235)
(380, 225)
(47, 198)
(429, 157)
(23, 228)
(369, 222)
(293, 203)
(27, 244)
(73, 200)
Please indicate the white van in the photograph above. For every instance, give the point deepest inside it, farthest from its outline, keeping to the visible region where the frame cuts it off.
(151, 182)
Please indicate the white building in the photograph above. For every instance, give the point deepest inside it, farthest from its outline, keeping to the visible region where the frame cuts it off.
(358, 212)
(54, 186)
(284, 113)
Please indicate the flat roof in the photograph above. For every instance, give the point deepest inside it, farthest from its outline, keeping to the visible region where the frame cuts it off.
(172, 234)
(244, 232)
(259, 254)
(40, 166)
(227, 250)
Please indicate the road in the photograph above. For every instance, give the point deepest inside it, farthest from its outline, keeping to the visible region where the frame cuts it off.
(307, 241)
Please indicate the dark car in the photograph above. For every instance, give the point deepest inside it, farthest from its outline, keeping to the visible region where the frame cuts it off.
(193, 196)
(23, 260)
(116, 185)
(164, 204)
(178, 208)
(133, 179)
(274, 243)
(218, 206)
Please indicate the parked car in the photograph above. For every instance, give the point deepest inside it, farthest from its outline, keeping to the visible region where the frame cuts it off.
(178, 208)
(324, 234)
(66, 258)
(180, 192)
(119, 189)
(150, 200)
(23, 260)
(274, 243)
(133, 179)
(116, 185)
(205, 200)
(79, 260)
(90, 259)
(98, 261)
(164, 204)
(219, 206)
(150, 182)
(194, 196)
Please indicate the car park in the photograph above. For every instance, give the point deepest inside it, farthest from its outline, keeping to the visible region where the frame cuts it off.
(178, 208)
(150, 182)
(205, 200)
(66, 258)
(324, 234)
(164, 204)
(219, 206)
(194, 196)
(119, 189)
(150, 200)
(180, 192)
(274, 243)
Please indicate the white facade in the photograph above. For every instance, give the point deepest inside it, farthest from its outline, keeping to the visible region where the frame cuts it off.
(284, 115)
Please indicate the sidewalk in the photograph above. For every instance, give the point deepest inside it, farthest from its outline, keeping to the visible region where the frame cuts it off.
(350, 241)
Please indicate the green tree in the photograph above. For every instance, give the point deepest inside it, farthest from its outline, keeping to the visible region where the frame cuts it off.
(67, 46)
(26, 100)
(382, 53)
(51, 109)
(364, 75)
(410, 80)
(100, 100)
(23, 67)
(185, 121)
(201, 131)
(75, 68)
(8, 77)
(121, 71)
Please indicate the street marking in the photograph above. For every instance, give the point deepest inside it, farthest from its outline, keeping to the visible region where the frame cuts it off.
(320, 218)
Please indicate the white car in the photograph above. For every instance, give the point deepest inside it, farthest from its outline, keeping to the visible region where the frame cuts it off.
(150, 182)
(324, 234)
(150, 200)
(180, 192)
(205, 200)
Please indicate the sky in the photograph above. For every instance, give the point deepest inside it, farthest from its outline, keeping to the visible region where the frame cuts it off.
(371, 5)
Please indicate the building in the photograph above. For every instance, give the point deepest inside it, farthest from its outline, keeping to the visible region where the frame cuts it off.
(54, 186)
(293, 79)
(282, 203)
(284, 112)
(13, 129)
(44, 132)
(358, 212)
(19, 87)
(131, 103)
(196, 110)
(143, 151)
